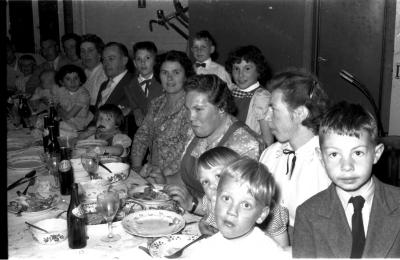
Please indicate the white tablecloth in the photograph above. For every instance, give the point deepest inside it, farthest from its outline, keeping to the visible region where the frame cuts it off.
(22, 246)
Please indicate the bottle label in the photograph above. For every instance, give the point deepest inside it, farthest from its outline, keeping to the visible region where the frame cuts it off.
(78, 211)
(46, 132)
(65, 165)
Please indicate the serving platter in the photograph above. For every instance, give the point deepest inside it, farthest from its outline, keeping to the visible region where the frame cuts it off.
(89, 143)
(25, 163)
(168, 245)
(33, 203)
(148, 193)
(153, 223)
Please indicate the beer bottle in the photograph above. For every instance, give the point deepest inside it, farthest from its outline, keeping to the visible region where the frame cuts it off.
(46, 134)
(24, 111)
(76, 221)
(53, 145)
(65, 172)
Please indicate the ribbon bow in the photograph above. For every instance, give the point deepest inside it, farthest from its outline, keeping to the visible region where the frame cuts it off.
(289, 152)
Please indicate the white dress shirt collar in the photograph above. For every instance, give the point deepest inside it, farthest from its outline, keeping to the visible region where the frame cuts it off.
(367, 192)
(141, 78)
(118, 78)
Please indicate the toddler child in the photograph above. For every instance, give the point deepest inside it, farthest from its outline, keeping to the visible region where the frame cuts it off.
(357, 215)
(46, 92)
(209, 167)
(109, 121)
(145, 87)
(250, 71)
(72, 99)
(26, 64)
(244, 197)
(204, 50)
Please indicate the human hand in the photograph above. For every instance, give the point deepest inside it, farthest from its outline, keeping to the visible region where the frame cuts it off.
(156, 174)
(205, 228)
(180, 194)
(125, 110)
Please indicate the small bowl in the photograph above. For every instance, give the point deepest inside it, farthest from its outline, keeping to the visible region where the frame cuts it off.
(119, 171)
(90, 189)
(57, 231)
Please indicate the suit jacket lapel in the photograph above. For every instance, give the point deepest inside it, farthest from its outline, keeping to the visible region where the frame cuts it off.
(118, 91)
(384, 224)
(335, 225)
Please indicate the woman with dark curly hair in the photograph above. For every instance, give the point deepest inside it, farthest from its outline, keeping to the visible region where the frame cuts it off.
(72, 99)
(250, 72)
(210, 109)
(165, 128)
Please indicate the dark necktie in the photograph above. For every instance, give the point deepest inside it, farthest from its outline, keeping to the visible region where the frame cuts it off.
(357, 229)
(199, 64)
(241, 94)
(289, 152)
(146, 84)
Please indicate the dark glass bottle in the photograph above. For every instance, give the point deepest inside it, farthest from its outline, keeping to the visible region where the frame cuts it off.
(76, 221)
(52, 112)
(65, 173)
(54, 120)
(46, 134)
(53, 145)
(24, 111)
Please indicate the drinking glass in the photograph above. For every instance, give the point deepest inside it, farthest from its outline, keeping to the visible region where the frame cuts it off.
(90, 162)
(108, 205)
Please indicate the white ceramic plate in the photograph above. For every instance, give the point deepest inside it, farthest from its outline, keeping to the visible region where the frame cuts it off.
(25, 162)
(168, 245)
(35, 204)
(153, 223)
(90, 143)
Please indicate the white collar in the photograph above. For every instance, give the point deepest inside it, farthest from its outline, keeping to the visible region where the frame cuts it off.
(118, 78)
(141, 78)
(207, 62)
(252, 87)
(366, 191)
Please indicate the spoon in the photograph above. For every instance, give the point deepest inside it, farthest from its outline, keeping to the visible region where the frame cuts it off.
(31, 225)
(145, 249)
(105, 167)
(18, 182)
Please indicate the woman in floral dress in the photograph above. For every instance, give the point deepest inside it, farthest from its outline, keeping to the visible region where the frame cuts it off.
(165, 128)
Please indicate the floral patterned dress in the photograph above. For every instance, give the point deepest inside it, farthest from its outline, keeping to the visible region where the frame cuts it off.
(165, 134)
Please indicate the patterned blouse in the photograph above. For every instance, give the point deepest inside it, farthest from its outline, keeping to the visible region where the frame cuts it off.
(164, 134)
(240, 141)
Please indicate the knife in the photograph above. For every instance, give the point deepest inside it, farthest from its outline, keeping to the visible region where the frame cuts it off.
(29, 175)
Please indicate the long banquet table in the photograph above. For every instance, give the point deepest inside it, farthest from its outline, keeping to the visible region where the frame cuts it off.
(22, 246)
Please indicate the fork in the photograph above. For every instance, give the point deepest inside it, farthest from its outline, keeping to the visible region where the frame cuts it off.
(180, 251)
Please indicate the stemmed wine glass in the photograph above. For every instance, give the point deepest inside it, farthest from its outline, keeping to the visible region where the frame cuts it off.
(90, 162)
(108, 205)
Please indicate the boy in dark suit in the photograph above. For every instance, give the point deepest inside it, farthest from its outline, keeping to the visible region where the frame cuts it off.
(357, 215)
(145, 87)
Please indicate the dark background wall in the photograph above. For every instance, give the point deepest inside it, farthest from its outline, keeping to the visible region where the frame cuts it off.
(276, 27)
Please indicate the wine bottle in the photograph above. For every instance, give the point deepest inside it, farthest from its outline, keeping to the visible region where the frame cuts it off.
(54, 120)
(65, 172)
(53, 145)
(76, 221)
